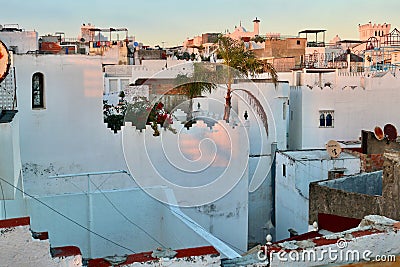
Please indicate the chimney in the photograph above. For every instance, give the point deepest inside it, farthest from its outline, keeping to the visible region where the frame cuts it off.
(256, 26)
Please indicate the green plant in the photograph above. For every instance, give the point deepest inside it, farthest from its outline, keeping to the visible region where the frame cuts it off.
(240, 63)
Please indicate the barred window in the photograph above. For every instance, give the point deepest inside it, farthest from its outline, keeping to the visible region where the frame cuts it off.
(37, 90)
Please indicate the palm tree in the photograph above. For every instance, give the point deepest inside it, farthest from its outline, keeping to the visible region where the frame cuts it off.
(194, 85)
(240, 63)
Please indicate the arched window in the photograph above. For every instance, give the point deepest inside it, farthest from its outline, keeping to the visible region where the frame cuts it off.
(326, 118)
(329, 120)
(322, 120)
(37, 90)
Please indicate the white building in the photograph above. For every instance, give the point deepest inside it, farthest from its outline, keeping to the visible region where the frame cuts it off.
(18, 40)
(295, 170)
(275, 102)
(61, 131)
(373, 30)
(354, 101)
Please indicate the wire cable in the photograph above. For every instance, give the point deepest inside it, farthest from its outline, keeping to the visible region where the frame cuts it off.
(198, 225)
(67, 218)
(124, 216)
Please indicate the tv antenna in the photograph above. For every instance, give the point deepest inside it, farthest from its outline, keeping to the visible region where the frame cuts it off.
(333, 148)
(390, 132)
(378, 132)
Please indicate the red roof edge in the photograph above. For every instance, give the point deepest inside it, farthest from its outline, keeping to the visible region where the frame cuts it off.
(14, 222)
(66, 251)
(335, 223)
(199, 251)
(146, 256)
(40, 235)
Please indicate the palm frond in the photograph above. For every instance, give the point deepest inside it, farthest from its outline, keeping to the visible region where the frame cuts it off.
(258, 108)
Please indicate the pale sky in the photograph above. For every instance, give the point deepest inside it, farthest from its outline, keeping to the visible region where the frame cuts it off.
(172, 21)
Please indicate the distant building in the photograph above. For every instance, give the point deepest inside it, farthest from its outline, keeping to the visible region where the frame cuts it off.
(205, 44)
(373, 30)
(284, 54)
(327, 104)
(241, 33)
(18, 40)
(87, 34)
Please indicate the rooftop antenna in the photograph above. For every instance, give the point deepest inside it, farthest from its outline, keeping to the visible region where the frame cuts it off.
(378, 132)
(333, 148)
(390, 132)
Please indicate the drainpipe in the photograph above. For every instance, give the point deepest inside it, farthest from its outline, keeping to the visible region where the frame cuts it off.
(274, 148)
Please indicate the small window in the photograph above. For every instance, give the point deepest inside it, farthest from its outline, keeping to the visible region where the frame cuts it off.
(326, 118)
(298, 42)
(284, 170)
(37, 90)
(322, 120)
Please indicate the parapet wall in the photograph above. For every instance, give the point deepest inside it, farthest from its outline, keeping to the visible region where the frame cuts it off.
(357, 203)
(20, 248)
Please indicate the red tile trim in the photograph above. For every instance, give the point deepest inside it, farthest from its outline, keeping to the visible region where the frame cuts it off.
(14, 222)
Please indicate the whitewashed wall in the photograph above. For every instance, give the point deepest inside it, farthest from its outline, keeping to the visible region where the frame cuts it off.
(23, 41)
(12, 203)
(69, 136)
(358, 102)
(18, 248)
(273, 100)
(187, 160)
(292, 190)
(10, 161)
(108, 221)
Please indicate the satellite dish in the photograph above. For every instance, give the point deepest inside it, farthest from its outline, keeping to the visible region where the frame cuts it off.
(390, 132)
(333, 148)
(379, 133)
(4, 61)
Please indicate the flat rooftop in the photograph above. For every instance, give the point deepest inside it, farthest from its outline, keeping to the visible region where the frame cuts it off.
(315, 154)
